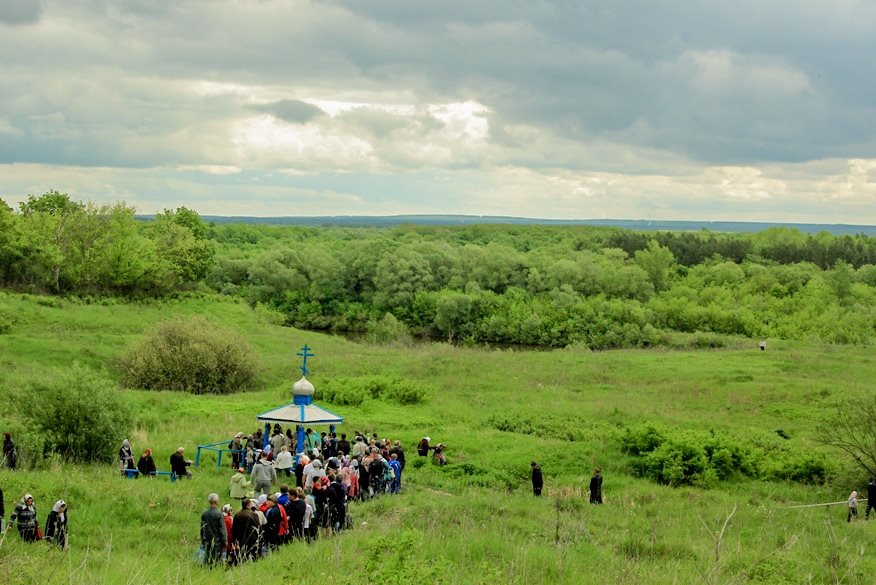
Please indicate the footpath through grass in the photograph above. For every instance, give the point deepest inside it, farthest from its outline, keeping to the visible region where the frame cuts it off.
(474, 521)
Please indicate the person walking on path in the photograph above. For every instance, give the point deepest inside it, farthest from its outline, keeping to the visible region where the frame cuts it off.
(214, 537)
(25, 516)
(56, 525)
(537, 480)
(853, 506)
(596, 487)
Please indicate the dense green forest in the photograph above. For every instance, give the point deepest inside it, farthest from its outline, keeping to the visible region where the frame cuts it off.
(553, 286)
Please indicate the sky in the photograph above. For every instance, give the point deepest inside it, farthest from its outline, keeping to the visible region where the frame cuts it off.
(563, 109)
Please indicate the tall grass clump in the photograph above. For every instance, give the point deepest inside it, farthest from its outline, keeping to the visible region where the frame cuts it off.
(190, 355)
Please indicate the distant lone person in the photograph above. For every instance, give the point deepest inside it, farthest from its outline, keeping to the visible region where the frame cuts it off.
(596, 487)
(537, 480)
(853, 506)
(871, 497)
(763, 344)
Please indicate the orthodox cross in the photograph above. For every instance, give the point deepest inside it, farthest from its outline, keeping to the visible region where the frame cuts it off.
(305, 353)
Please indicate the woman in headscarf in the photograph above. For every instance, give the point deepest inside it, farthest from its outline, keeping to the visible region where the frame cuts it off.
(26, 516)
(126, 456)
(228, 517)
(56, 524)
(146, 465)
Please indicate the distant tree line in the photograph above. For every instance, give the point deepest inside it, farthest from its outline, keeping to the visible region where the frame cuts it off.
(53, 244)
(555, 286)
(552, 286)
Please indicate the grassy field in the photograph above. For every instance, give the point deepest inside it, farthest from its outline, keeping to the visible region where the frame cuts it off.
(475, 521)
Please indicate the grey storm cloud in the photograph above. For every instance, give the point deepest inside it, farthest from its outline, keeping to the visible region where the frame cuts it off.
(20, 12)
(637, 88)
(294, 111)
(725, 84)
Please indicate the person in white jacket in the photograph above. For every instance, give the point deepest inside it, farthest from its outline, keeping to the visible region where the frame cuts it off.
(284, 463)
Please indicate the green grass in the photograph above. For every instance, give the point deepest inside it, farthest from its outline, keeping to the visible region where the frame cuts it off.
(475, 521)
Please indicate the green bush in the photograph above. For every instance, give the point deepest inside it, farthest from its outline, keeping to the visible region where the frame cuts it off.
(6, 322)
(79, 414)
(190, 355)
(684, 457)
(355, 390)
(387, 330)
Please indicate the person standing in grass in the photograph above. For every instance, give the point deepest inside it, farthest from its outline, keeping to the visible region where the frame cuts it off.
(284, 462)
(423, 447)
(230, 550)
(25, 517)
(10, 454)
(56, 525)
(853, 506)
(537, 480)
(214, 537)
(272, 527)
(236, 448)
(126, 456)
(596, 487)
(871, 497)
(295, 511)
(239, 486)
(395, 467)
(245, 530)
(146, 465)
(263, 475)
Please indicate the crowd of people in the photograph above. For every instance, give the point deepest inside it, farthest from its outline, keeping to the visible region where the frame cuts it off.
(328, 476)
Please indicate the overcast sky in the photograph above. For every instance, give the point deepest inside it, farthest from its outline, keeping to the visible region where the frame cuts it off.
(706, 110)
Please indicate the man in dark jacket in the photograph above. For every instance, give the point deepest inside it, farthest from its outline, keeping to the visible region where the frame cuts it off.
(871, 498)
(537, 480)
(295, 510)
(214, 537)
(596, 487)
(344, 445)
(245, 531)
(272, 528)
(178, 465)
(337, 504)
(397, 449)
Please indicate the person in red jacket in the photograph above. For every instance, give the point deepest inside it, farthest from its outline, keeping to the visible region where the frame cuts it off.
(227, 514)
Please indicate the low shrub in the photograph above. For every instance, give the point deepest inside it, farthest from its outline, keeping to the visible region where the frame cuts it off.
(387, 330)
(355, 390)
(190, 355)
(79, 414)
(684, 457)
(6, 322)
